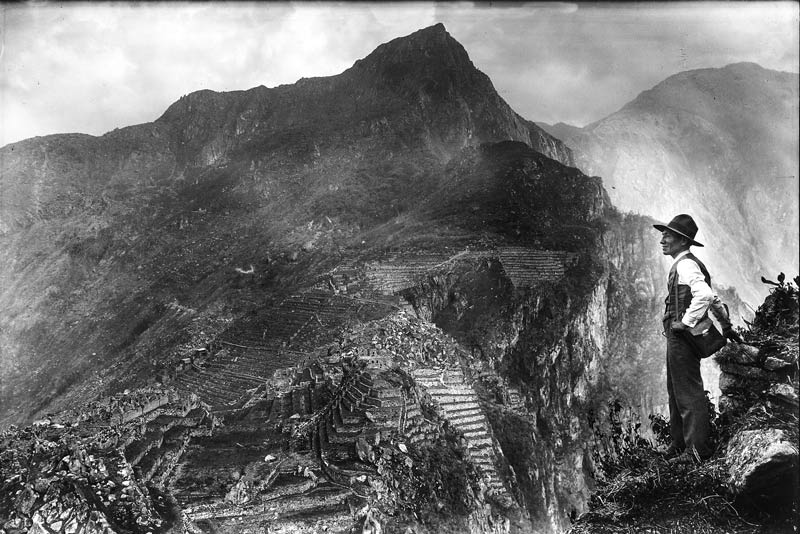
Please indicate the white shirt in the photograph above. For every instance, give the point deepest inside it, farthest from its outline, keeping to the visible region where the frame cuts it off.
(689, 274)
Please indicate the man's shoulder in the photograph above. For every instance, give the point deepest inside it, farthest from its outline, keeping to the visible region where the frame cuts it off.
(688, 266)
(684, 256)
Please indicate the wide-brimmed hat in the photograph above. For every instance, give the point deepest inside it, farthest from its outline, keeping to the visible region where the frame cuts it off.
(683, 225)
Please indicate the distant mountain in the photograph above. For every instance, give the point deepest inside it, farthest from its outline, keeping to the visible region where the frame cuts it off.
(719, 144)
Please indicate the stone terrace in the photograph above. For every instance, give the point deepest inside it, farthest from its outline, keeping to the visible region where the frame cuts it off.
(155, 452)
(403, 271)
(101, 480)
(278, 337)
(365, 404)
(259, 473)
(288, 320)
(526, 267)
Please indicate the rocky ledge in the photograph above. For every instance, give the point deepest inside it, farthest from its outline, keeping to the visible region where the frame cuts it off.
(750, 484)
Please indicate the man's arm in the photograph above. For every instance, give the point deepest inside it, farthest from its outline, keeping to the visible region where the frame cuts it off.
(720, 313)
(689, 274)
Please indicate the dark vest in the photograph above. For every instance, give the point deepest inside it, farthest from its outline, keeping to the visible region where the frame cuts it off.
(684, 291)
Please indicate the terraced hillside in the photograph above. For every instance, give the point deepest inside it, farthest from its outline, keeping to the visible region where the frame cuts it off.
(385, 300)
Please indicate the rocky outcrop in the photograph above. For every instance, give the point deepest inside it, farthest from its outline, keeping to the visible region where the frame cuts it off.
(550, 144)
(759, 386)
(763, 464)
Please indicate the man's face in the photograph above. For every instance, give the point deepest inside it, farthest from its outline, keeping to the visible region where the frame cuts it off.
(671, 243)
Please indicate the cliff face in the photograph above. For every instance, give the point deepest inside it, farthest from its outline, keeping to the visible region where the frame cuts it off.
(720, 144)
(546, 352)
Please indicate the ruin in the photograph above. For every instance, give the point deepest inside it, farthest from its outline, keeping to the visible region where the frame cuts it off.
(297, 417)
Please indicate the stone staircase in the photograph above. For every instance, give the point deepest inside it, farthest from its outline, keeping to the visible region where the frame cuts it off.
(459, 405)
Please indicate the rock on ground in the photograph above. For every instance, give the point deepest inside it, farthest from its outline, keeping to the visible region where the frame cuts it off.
(762, 466)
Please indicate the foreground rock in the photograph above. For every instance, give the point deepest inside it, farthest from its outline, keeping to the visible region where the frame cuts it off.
(763, 466)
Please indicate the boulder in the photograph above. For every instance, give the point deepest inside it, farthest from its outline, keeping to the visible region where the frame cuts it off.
(761, 466)
(774, 364)
(732, 383)
(239, 494)
(785, 393)
(733, 405)
(746, 371)
(364, 450)
(742, 354)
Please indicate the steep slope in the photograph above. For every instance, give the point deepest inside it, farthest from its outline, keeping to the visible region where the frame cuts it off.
(720, 144)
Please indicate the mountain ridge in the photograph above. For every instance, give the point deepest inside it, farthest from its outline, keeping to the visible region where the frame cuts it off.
(447, 110)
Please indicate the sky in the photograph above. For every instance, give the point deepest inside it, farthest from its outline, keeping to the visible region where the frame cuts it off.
(91, 68)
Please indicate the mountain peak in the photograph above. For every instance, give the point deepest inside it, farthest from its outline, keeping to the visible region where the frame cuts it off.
(435, 35)
(431, 46)
(696, 91)
(437, 28)
(748, 66)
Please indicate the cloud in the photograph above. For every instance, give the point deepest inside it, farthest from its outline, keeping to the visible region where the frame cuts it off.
(91, 68)
(579, 65)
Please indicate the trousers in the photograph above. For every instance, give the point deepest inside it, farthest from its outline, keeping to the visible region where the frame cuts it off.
(688, 407)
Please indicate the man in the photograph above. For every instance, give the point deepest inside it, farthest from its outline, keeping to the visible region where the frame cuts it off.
(689, 283)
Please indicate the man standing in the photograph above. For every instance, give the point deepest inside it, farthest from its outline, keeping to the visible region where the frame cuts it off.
(688, 299)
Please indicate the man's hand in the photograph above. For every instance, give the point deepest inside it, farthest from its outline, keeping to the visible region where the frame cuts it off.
(731, 334)
(678, 326)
